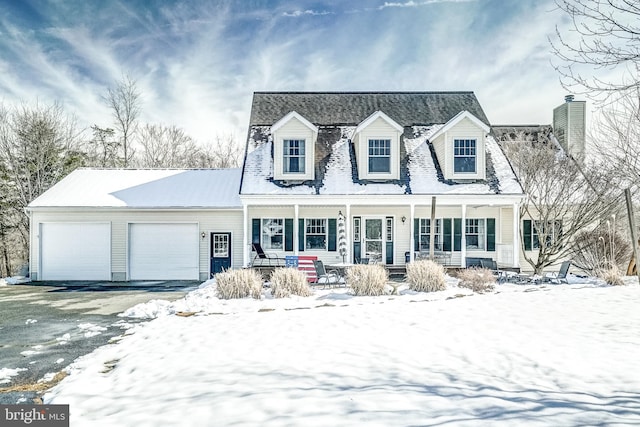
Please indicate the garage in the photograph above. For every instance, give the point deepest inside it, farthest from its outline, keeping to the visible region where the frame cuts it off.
(75, 251)
(163, 251)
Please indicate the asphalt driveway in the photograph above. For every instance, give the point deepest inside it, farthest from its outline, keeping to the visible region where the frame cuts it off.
(46, 326)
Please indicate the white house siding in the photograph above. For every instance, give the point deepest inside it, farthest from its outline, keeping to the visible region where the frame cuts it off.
(379, 129)
(219, 220)
(439, 145)
(294, 129)
(466, 129)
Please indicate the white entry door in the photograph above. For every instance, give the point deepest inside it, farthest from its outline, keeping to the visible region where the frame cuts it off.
(163, 251)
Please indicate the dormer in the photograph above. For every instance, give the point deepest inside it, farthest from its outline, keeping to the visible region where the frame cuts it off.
(377, 146)
(294, 141)
(460, 147)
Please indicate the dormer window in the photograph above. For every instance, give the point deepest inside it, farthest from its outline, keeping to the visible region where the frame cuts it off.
(294, 155)
(379, 155)
(464, 155)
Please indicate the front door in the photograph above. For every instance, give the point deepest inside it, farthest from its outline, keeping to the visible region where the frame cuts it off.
(220, 252)
(373, 245)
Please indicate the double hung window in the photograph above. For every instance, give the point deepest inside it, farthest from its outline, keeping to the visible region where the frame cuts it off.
(316, 234)
(379, 155)
(294, 155)
(273, 233)
(475, 233)
(464, 155)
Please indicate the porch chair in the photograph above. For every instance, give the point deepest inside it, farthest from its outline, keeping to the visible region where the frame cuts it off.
(324, 278)
(272, 260)
(560, 276)
(492, 265)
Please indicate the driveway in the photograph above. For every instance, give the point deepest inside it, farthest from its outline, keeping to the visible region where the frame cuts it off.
(46, 326)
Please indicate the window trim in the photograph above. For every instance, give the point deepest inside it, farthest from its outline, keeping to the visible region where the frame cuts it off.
(325, 225)
(264, 226)
(464, 155)
(389, 154)
(481, 232)
(302, 158)
(424, 225)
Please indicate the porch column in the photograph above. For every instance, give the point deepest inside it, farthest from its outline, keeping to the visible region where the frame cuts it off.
(296, 231)
(412, 232)
(516, 235)
(245, 235)
(463, 239)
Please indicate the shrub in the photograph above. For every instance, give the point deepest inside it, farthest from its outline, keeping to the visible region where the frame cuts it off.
(477, 279)
(289, 281)
(239, 284)
(368, 279)
(600, 249)
(611, 275)
(426, 276)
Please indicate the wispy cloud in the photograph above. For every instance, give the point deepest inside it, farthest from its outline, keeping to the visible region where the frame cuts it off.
(308, 12)
(411, 3)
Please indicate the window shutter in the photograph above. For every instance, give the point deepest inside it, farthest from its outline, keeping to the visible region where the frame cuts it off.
(255, 230)
(416, 234)
(332, 234)
(491, 234)
(446, 234)
(301, 234)
(288, 234)
(457, 234)
(526, 232)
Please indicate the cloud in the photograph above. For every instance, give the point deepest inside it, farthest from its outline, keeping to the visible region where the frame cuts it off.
(412, 3)
(299, 13)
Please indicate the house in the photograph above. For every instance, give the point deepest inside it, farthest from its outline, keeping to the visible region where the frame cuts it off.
(386, 162)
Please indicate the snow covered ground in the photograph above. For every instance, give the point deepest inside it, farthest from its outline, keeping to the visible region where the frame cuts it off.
(554, 355)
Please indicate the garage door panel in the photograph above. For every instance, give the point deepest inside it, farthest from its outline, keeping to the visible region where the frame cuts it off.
(75, 251)
(163, 251)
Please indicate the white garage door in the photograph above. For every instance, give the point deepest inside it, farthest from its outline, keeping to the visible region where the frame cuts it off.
(75, 251)
(163, 251)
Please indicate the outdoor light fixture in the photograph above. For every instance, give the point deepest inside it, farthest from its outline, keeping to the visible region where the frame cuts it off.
(203, 235)
(404, 218)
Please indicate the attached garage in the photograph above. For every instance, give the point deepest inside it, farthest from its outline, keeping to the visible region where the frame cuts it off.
(167, 251)
(75, 251)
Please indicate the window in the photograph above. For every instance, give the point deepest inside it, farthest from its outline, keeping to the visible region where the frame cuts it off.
(356, 229)
(221, 246)
(379, 155)
(464, 155)
(316, 234)
(425, 234)
(474, 233)
(294, 156)
(389, 230)
(547, 230)
(273, 233)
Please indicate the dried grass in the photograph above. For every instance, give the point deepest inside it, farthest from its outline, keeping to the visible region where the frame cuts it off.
(368, 279)
(426, 276)
(611, 275)
(240, 283)
(289, 281)
(477, 279)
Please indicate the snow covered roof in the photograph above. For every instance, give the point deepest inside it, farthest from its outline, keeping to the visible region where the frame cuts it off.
(145, 188)
(335, 173)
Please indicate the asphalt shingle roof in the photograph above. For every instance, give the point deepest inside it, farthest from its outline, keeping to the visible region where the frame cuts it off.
(351, 108)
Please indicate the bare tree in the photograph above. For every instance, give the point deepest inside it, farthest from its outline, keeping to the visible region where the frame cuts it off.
(222, 153)
(600, 55)
(39, 145)
(124, 101)
(562, 199)
(616, 136)
(165, 147)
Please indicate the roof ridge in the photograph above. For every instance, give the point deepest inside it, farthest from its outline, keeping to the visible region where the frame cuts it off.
(361, 92)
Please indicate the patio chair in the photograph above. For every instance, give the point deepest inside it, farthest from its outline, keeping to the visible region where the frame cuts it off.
(560, 276)
(272, 260)
(324, 278)
(492, 265)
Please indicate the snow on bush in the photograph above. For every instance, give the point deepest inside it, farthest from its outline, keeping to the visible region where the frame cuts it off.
(477, 279)
(368, 279)
(289, 281)
(426, 276)
(240, 283)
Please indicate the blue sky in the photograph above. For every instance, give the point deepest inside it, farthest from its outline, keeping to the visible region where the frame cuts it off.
(197, 63)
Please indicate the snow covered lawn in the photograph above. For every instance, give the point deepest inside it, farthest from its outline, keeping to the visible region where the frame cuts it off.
(555, 355)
